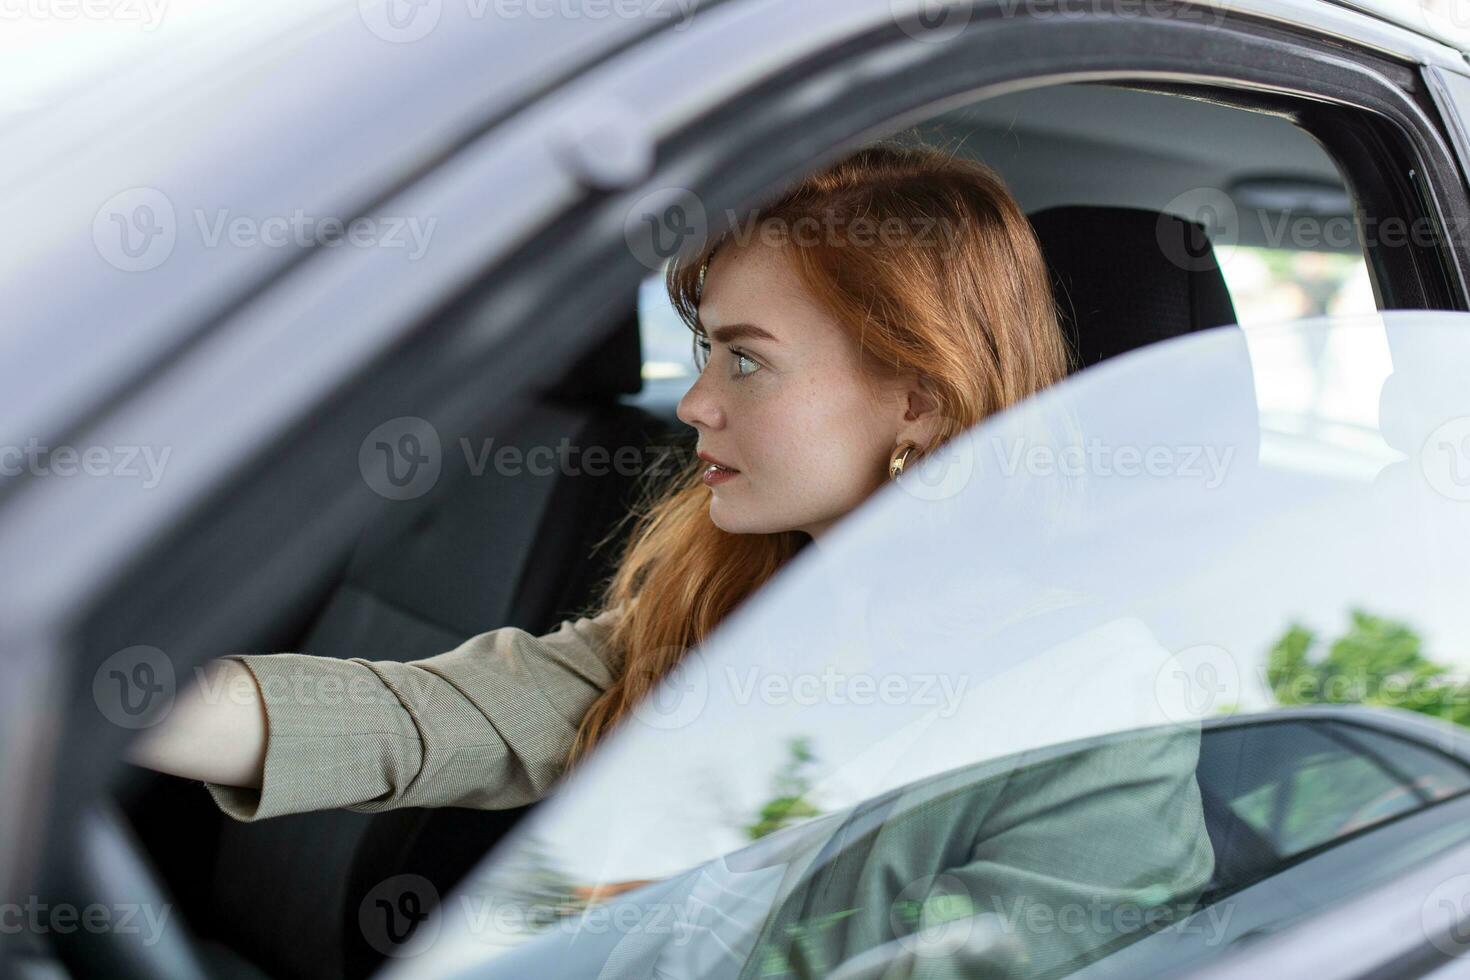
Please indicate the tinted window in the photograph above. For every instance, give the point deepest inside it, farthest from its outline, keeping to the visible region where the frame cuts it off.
(1421, 773)
(1300, 785)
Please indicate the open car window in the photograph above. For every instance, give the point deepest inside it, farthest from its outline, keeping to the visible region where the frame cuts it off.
(968, 723)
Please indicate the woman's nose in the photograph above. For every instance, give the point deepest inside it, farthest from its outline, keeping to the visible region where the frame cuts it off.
(699, 407)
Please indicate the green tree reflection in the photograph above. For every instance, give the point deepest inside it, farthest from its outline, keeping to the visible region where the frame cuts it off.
(1378, 661)
(791, 785)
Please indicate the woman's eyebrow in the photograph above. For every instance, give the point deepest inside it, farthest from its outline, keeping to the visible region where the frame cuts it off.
(737, 331)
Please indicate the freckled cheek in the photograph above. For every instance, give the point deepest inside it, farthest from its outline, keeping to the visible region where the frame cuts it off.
(773, 435)
(792, 438)
(841, 418)
(809, 446)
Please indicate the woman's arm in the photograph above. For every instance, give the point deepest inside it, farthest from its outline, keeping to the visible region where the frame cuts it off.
(486, 725)
(215, 732)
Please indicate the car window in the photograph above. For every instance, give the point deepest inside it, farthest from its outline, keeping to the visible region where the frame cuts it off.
(668, 345)
(1293, 784)
(1421, 773)
(1268, 195)
(1300, 785)
(1272, 285)
(987, 718)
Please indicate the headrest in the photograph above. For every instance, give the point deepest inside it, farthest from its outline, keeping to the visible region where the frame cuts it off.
(1126, 277)
(613, 367)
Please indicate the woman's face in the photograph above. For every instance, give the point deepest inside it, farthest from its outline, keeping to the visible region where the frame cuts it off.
(781, 401)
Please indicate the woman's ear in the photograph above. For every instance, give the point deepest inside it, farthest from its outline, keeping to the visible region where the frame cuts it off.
(921, 410)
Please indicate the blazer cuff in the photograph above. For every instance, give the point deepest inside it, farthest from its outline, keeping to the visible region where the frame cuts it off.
(337, 737)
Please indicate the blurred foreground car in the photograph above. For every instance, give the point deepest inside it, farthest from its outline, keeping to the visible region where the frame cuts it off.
(1304, 808)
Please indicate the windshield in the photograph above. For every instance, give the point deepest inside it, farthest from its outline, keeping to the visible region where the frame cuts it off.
(1038, 701)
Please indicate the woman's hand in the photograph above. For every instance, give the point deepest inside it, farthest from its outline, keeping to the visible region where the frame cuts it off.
(215, 732)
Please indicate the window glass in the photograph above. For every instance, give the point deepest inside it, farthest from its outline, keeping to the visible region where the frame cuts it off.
(1425, 774)
(986, 717)
(1328, 795)
(1272, 285)
(1298, 786)
(668, 345)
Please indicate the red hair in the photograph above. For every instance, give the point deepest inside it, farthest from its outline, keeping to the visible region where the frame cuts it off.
(962, 296)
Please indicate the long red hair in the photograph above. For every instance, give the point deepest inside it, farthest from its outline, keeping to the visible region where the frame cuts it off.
(962, 296)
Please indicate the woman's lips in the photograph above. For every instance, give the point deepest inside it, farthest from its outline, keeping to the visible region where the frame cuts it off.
(715, 474)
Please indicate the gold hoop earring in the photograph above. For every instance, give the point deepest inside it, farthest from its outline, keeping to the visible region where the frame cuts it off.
(900, 459)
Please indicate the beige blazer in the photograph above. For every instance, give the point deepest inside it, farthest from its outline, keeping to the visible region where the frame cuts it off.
(486, 725)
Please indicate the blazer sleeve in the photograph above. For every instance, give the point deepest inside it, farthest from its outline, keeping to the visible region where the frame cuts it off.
(486, 725)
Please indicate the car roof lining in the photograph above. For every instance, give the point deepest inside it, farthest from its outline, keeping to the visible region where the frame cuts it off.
(1106, 144)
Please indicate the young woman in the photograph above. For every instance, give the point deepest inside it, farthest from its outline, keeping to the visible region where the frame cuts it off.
(877, 309)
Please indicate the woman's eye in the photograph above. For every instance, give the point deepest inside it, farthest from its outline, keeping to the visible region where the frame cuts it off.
(745, 365)
(743, 359)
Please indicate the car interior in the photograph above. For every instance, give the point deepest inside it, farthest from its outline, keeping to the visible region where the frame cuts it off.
(1091, 163)
(1095, 166)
